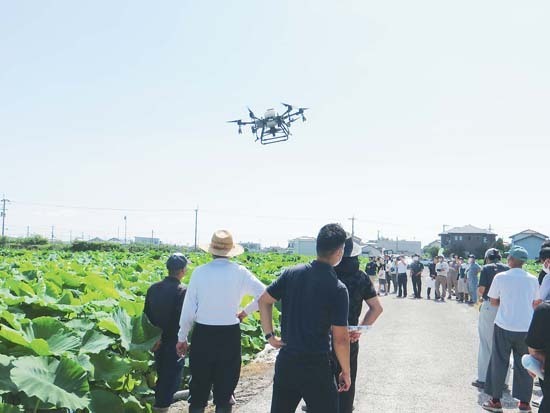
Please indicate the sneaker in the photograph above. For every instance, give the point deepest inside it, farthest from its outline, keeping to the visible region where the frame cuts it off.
(524, 407)
(492, 406)
(478, 384)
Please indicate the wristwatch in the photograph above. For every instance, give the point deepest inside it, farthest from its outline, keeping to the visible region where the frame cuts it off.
(268, 336)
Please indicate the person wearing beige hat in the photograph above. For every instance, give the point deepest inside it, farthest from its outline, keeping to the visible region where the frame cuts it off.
(212, 309)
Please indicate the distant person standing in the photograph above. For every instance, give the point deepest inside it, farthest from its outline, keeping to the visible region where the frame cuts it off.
(472, 272)
(442, 269)
(462, 285)
(416, 276)
(516, 294)
(314, 303)
(452, 277)
(382, 281)
(392, 271)
(402, 277)
(212, 309)
(371, 268)
(487, 313)
(163, 304)
(430, 283)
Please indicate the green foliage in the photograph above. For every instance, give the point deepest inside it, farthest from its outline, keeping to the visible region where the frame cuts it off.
(72, 332)
(432, 252)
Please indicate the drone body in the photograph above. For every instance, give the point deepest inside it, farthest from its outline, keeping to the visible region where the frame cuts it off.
(272, 128)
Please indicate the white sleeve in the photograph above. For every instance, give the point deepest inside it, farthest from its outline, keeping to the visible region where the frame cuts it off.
(254, 287)
(494, 291)
(544, 292)
(189, 310)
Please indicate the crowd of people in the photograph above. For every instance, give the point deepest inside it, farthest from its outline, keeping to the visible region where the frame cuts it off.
(321, 305)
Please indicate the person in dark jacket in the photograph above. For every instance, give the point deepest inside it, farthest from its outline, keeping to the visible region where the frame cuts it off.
(163, 304)
(416, 276)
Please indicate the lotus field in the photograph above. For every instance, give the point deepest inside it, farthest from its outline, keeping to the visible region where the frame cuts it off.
(72, 333)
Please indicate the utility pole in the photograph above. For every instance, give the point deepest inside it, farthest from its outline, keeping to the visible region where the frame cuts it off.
(352, 219)
(196, 225)
(378, 236)
(28, 231)
(3, 213)
(52, 232)
(70, 236)
(125, 228)
(152, 237)
(445, 227)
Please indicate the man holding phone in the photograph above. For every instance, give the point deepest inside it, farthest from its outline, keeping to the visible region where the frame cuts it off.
(314, 303)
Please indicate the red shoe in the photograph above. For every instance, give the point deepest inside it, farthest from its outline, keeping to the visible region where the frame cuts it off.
(524, 407)
(492, 406)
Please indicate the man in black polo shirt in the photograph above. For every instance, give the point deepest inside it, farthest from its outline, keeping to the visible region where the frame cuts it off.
(487, 313)
(314, 302)
(163, 304)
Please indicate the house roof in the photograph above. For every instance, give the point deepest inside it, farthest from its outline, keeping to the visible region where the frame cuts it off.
(468, 229)
(528, 233)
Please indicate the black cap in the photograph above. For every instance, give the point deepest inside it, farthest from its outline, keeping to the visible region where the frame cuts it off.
(472, 256)
(492, 254)
(351, 249)
(544, 254)
(176, 261)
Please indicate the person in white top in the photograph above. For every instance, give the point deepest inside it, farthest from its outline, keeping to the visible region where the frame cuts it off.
(442, 269)
(516, 293)
(402, 277)
(211, 308)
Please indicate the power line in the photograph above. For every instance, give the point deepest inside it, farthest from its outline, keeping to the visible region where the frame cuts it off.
(100, 208)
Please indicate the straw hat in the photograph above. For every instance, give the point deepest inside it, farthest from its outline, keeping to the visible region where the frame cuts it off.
(222, 245)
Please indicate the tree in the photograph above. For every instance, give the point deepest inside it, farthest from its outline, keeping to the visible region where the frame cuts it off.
(432, 251)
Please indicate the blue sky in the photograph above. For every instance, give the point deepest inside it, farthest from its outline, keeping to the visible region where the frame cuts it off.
(421, 115)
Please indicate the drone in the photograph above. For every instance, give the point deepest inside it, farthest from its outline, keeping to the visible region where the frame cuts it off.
(272, 128)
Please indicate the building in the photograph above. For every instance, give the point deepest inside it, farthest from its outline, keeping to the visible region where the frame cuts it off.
(251, 246)
(303, 246)
(371, 251)
(147, 240)
(530, 240)
(397, 246)
(467, 240)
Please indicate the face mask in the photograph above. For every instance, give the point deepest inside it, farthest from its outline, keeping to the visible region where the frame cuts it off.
(546, 267)
(415, 258)
(471, 260)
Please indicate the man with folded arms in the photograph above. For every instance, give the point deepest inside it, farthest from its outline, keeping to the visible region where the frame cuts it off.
(212, 305)
(516, 293)
(314, 303)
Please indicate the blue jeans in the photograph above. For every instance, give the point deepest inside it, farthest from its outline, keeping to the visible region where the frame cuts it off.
(472, 288)
(169, 374)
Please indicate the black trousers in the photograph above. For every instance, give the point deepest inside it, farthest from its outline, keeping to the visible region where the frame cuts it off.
(215, 364)
(304, 376)
(402, 281)
(169, 374)
(417, 285)
(346, 399)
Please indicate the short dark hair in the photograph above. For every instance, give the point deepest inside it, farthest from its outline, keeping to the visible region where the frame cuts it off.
(330, 238)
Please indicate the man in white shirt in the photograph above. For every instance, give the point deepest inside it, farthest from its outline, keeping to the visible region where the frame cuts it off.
(211, 308)
(442, 269)
(516, 293)
(402, 277)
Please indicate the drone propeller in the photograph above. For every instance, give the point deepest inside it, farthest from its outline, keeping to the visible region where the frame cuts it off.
(288, 108)
(251, 114)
